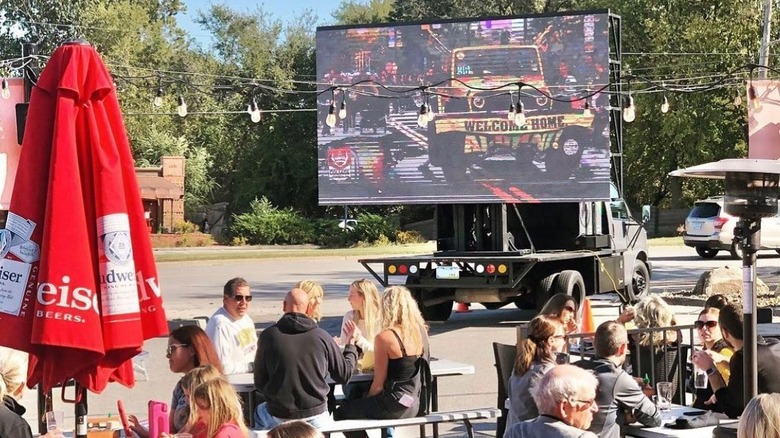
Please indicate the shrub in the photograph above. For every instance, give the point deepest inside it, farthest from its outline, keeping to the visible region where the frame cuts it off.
(371, 227)
(406, 237)
(184, 227)
(266, 224)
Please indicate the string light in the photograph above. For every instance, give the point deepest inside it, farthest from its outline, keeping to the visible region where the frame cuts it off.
(181, 108)
(510, 115)
(431, 114)
(519, 108)
(755, 102)
(737, 100)
(158, 98)
(422, 120)
(331, 119)
(254, 111)
(6, 90)
(586, 112)
(343, 108)
(665, 106)
(629, 111)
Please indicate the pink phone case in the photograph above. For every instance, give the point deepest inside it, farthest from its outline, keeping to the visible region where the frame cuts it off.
(158, 418)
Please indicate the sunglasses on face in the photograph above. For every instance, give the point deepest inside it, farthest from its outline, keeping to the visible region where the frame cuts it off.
(701, 324)
(240, 298)
(569, 308)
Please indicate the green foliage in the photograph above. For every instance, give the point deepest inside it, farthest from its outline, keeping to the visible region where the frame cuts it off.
(354, 12)
(184, 227)
(373, 228)
(267, 225)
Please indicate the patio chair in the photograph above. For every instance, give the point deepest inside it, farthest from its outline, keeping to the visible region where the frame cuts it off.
(505, 359)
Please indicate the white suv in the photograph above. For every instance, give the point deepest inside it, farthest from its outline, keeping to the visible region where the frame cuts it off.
(709, 229)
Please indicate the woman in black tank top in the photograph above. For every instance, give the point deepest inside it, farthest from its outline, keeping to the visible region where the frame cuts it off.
(395, 390)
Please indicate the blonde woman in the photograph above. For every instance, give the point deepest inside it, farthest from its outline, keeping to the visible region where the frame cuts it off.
(395, 390)
(365, 319)
(316, 294)
(190, 381)
(546, 336)
(761, 417)
(219, 410)
(13, 372)
(658, 347)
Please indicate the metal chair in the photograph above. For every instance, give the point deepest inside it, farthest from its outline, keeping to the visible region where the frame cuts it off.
(505, 359)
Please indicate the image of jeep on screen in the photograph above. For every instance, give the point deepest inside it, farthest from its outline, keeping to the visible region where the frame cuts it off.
(489, 110)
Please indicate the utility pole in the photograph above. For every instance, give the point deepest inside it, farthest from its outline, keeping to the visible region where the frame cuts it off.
(763, 56)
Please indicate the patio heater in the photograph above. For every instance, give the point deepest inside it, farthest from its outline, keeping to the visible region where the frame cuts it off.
(751, 187)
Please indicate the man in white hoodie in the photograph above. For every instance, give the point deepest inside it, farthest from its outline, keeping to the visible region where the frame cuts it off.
(232, 331)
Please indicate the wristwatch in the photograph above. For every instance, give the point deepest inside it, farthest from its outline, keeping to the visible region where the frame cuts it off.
(711, 371)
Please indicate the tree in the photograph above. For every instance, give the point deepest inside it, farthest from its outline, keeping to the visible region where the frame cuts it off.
(354, 12)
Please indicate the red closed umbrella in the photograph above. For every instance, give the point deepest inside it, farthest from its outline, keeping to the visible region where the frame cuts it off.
(78, 283)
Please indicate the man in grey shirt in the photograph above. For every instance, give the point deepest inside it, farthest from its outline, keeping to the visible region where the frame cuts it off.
(619, 397)
(566, 398)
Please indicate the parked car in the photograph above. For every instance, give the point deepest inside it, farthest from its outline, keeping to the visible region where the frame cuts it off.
(709, 229)
(348, 224)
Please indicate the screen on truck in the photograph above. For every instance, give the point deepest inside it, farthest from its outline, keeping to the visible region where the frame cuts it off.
(428, 113)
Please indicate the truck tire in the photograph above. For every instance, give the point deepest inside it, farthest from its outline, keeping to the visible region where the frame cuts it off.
(706, 253)
(435, 312)
(493, 306)
(640, 281)
(570, 282)
(561, 162)
(545, 290)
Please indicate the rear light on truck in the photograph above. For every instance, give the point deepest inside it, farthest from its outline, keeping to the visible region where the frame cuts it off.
(491, 268)
(720, 221)
(402, 269)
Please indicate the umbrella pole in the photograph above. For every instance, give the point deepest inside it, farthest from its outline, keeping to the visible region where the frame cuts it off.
(81, 411)
(44, 405)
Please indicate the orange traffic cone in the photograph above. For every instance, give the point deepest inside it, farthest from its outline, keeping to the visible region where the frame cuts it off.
(462, 308)
(587, 324)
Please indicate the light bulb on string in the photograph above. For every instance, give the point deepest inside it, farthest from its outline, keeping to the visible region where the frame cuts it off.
(431, 114)
(738, 100)
(181, 108)
(254, 111)
(510, 115)
(422, 120)
(665, 106)
(629, 111)
(755, 102)
(520, 114)
(586, 112)
(331, 119)
(158, 98)
(343, 110)
(6, 90)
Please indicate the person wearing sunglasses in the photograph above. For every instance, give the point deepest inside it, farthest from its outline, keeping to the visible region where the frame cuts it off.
(563, 307)
(711, 340)
(232, 330)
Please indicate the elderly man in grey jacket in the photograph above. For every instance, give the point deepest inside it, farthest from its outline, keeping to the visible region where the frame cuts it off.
(619, 396)
(566, 398)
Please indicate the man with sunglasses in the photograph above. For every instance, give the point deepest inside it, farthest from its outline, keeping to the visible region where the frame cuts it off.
(232, 331)
(619, 397)
(566, 398)
(730, 397)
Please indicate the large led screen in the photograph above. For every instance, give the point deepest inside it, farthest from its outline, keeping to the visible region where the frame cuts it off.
(428, 113)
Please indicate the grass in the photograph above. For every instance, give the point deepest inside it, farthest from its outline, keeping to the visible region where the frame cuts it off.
(241, 253)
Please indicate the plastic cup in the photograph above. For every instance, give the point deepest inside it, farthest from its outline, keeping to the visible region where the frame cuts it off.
(700, 380)
(54, 420)
(663, 392)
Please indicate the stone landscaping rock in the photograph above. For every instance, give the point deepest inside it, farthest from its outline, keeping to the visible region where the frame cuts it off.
(726, 281)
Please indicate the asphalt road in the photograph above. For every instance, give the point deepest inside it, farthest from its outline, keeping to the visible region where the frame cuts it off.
(194, 288)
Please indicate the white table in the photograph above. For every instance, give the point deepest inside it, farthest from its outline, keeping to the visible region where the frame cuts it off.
(637, 430)
(768, 329)
(244, 383)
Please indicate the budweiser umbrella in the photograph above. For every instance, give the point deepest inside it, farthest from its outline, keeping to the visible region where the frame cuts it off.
(78, 283)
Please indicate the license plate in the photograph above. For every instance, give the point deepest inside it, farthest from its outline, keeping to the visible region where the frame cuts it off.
(447, 272)
(697, 225)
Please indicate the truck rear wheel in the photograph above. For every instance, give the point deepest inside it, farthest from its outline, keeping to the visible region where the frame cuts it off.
(570, 282)
(545, 290)
(432, 312)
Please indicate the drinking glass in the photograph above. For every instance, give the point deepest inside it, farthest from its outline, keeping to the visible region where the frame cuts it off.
(663, 393)
(54, 420)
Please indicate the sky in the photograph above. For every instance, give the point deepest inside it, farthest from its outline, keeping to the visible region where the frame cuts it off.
(284, 10)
